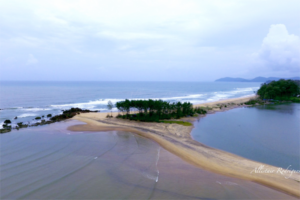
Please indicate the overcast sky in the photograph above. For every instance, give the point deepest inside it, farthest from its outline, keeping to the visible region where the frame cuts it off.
(149, 40)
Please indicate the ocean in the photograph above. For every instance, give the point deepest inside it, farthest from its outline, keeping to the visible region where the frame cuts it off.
(27, 100)
(51, 162)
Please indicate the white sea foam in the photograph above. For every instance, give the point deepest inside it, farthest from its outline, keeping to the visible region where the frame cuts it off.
(88, 105)
(238, 92)
(192, 96)
(100, 104)
(35, 109)
(104, 102)
(27, 115)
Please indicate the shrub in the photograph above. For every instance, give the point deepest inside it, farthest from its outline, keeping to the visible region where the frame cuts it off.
(7, 121)
(178, 122)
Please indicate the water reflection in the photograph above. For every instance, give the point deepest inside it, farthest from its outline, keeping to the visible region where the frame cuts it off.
(268, 134)
(51, 162)
(287, 108)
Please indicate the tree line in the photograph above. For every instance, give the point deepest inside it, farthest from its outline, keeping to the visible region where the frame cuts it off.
(279, 90)
(155, 110)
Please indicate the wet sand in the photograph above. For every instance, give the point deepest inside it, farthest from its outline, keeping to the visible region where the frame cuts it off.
(176, 139)
(51, 162)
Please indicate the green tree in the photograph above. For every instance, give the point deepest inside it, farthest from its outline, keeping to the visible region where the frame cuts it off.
(278, 89)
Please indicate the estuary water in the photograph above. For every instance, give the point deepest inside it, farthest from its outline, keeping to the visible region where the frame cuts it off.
(50, 162)
(268, 134)
(27, 100)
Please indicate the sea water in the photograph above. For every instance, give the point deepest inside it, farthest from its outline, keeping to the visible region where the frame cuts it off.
(268, 133)
(27, 100)
(50, 162)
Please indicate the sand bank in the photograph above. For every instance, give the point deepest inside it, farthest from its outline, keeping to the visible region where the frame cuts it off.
(229, 103)
(176, 139)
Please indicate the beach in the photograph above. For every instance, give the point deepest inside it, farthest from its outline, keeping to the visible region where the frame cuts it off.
(177, 140)
(51, 162)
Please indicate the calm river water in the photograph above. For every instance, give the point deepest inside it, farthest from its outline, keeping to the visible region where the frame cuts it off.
(268, 134)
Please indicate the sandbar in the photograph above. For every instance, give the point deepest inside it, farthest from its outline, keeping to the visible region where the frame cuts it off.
(177, 139)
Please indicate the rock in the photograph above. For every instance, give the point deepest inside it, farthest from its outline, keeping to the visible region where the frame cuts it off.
(66, 114)
(6, 126)
(5, 130)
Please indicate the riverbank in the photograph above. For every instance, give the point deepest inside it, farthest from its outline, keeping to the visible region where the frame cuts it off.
(177, 139)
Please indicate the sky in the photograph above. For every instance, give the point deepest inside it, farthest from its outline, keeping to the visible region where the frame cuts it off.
(153, 40)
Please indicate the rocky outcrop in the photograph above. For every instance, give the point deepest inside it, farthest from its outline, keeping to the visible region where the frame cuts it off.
(67, 114)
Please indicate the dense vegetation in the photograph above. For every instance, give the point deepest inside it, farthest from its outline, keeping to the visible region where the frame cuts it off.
(279, 90)
(155, 110)
(276, 92)
(69, 114)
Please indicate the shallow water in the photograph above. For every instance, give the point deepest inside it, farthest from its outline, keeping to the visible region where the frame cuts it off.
(268, 134)
(50, 162)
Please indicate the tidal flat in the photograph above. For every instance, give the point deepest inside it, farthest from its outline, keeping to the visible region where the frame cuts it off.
(52, 162)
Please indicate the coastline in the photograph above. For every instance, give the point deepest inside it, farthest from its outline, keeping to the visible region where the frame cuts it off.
(177, 139)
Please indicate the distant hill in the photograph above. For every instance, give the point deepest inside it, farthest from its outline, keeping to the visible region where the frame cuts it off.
(257, 79)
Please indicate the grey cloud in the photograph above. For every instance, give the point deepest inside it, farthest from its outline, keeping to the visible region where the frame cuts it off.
(192, 40)
(280, 50)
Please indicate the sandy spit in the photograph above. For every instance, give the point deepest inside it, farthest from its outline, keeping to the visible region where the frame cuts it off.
(177, 139)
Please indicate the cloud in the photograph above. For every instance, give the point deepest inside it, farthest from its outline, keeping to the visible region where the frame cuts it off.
(130, 35)
(31, 60)
(210, 38)
(280, 50)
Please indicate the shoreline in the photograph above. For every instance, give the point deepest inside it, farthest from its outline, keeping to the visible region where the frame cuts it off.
(177, 139)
